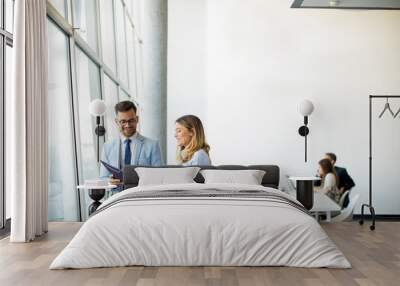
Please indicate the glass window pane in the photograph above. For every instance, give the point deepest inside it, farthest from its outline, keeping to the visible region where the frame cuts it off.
(107, 33)
(62, 192)
(8, 83)
(9, 15)
(2, 172)
(129, 6)
(131, 58)
(121, 43)
(111, 99)
(85, 19)
(123, 96)
(61, 6)
(88, 88)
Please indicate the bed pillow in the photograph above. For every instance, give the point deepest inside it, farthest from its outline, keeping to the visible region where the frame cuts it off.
(166, 176)
(248, 177)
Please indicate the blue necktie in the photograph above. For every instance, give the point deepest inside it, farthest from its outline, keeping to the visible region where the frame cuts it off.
(128, 154)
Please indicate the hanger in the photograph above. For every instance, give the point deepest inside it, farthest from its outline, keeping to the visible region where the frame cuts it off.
(387, 107)
(397, 113)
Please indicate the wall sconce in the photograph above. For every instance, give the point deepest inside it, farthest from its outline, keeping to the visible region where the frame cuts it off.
(306, 107)
(98, 108)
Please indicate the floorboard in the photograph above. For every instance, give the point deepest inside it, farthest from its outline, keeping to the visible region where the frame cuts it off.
(375, 257)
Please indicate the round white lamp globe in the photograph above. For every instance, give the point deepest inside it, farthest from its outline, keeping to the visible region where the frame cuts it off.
(97, 107)
(306, 107)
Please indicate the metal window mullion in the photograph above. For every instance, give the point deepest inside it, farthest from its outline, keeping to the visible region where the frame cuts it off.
(69, 11)
(75, 113)
(2, 137)
(76, 129)
(3, 13)
(102, 96)
(139, 70)
(58, 19)
(134, 63)
(98, 31)
(84, 46)
(130, 18)
(9, 42)
(75, 100)
(89, 52)
(5, 33)
(115, 41)
(126, 50)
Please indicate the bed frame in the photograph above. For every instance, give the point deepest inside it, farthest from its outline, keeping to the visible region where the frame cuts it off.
(270, 179)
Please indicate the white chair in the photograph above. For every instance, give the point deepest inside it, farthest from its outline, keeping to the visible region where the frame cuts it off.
(343, 197)
(347, 213)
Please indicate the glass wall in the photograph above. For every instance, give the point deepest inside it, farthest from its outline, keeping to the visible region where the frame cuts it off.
(123, 95)
(88, 88)
(110, 98)
(121, 43)
(131, 59)
(90, 60)
(9, 12)
(61, 7)
(62, 176)
(85, 21)
(107, 33)
(2, 131)
(8, 87)
(6, 63)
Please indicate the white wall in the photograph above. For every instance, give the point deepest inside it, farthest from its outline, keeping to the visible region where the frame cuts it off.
(261, 58)
(186, 65)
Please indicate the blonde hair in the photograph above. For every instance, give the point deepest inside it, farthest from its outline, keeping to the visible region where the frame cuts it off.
(193, 124)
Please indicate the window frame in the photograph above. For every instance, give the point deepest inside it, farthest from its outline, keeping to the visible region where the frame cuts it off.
(6, 39)
(76, 41)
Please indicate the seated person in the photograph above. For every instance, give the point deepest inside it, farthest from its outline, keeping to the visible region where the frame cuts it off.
(329, 180)
(193, 149)
(130, 148)
(345, 181)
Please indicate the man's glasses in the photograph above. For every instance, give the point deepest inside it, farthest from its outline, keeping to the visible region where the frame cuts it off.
(128, 122)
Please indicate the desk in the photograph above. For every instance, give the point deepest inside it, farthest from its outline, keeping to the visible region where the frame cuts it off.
(304, 190)
(96, 193)
(322, 204)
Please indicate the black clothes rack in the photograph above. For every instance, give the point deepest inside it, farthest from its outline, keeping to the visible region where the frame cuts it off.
(369, 205)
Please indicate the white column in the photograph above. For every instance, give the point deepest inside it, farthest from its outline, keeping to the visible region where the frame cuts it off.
(154, 51)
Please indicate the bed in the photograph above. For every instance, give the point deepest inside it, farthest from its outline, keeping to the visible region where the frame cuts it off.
(201, 224)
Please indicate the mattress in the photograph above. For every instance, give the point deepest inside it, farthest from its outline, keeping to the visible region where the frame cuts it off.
(201, 225)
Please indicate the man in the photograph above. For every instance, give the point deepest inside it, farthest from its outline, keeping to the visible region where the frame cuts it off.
(130, 148)
(345, 181)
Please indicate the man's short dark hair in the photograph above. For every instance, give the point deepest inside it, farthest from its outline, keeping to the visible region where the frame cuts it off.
(332, 156)
(124, 106)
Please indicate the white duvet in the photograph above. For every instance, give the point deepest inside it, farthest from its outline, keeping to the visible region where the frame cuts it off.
(200, 231)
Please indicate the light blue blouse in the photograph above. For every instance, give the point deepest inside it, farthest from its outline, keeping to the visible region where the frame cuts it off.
(199, 158)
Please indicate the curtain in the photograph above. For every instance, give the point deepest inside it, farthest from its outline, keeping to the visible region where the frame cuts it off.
(27, 123)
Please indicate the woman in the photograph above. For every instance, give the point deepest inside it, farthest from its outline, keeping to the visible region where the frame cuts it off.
(190, 138)
(329, 180)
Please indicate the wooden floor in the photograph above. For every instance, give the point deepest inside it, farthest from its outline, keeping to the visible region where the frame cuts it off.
(375, 257)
